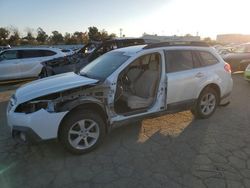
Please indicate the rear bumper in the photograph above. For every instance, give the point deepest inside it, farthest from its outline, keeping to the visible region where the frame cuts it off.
(225, 99)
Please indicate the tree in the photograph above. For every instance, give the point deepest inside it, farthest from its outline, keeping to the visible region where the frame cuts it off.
(78, 37)
(93, 33)
(28, 39)
(113, 35)
(67, 38)
(4, 33)
(14, 37)
(85, 38)
(56, 38)
(41, 36)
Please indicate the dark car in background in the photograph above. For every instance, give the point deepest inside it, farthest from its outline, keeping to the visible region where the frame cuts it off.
(239, 58)
(4, 47)
(85, 55)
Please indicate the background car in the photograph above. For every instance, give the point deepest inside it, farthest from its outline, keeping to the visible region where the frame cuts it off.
(19, 63)
(247, 73)
(239, 58)
(4, 48)
(85, 55)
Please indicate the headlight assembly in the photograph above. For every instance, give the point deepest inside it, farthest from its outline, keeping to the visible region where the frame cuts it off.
(33, 106)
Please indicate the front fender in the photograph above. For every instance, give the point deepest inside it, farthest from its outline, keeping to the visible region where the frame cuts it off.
(68, 106)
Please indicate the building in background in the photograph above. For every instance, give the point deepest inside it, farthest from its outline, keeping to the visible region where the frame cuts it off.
(156, 38)
(233, 38)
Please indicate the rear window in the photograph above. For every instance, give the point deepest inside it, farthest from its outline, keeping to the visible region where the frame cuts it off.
(35, 53)
(207, 58)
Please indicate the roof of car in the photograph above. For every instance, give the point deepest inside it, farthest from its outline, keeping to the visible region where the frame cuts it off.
(131, 49)
(135, 49)
(34, 48)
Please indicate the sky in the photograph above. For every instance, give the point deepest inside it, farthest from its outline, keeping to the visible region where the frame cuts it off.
(162, 17)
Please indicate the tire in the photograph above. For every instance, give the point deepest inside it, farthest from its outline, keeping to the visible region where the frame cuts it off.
(82, 131)
(43, 73)
(206, 104)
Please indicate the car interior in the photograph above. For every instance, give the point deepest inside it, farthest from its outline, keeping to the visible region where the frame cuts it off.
(137, 84)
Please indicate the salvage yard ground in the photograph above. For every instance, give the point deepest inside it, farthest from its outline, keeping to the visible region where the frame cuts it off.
(170, 151)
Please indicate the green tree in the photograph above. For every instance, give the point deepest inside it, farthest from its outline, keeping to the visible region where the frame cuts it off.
(4, 34)
(41, 36)
(113, 35)
(67, 38)
(56, 38)
(14, 38)
(77, 37)
(93, 33)
(28, 39)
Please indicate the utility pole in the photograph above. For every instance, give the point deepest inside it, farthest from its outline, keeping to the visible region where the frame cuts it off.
(120, 32)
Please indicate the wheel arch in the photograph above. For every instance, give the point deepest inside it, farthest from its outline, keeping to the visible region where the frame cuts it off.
(214, 86)
(95, 107)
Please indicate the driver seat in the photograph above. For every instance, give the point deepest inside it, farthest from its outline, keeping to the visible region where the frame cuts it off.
(144, 87)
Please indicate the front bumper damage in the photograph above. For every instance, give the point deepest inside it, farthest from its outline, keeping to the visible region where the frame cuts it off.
(40, 118)
(40, 125)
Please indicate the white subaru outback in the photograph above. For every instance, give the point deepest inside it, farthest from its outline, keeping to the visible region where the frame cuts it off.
(124, 85)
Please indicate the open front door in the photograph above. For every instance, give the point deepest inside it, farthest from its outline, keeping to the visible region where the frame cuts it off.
(140, 87)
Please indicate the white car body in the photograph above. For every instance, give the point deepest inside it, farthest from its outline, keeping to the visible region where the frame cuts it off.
(173, 88)
(29, 65)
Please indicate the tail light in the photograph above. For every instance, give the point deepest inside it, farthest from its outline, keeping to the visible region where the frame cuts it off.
(227, 68)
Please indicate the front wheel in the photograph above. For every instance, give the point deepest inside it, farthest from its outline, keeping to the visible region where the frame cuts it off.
(82, 132)
(206, 104)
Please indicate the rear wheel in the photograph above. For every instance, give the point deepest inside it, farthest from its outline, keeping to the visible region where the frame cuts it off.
(82, 132)
(206, 103)
(43, 73)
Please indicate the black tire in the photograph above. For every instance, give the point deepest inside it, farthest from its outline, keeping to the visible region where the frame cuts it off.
(72, 121)
(43, 73)
(198, 110)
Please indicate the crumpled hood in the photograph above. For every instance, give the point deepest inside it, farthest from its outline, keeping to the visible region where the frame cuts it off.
(51, 85)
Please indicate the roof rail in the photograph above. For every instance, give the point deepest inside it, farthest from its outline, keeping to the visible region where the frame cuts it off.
(176, 43)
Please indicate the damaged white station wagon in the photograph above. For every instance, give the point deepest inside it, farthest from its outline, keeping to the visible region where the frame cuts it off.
(124, 85)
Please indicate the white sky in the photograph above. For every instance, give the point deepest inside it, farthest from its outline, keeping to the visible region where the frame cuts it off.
(207, 17)
(162, 17)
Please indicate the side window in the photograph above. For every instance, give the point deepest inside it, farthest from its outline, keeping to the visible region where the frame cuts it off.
(179, 60)
(47, 53)
(30, 53)
(207, 59)
(8, 55)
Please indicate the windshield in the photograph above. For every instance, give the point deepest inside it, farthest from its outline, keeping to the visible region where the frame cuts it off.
(105, 65)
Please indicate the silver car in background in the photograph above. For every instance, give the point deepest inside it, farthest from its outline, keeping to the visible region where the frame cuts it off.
(19, 63)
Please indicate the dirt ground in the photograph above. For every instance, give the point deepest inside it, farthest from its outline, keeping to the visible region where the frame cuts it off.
(171, 151)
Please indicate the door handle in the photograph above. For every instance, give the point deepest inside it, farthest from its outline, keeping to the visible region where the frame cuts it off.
(199, 75)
